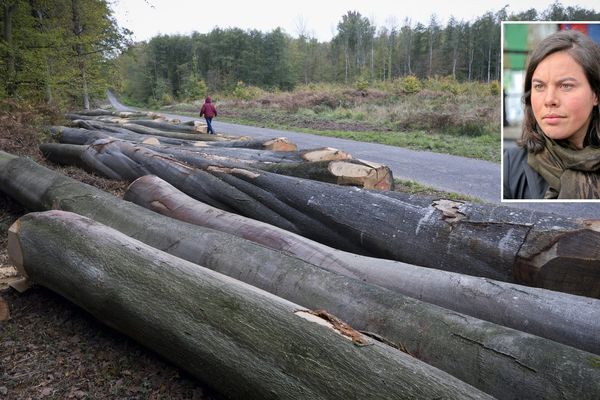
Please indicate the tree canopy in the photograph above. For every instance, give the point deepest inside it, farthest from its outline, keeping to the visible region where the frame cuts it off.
(221, 59)
(68, 51)
(57, 50)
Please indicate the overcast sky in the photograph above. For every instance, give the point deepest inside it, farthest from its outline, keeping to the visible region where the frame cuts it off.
(148, 18)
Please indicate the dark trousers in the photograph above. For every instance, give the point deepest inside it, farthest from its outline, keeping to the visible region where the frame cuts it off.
(209, 128)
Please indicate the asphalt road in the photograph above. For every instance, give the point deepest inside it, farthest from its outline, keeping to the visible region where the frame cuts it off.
(476, 178)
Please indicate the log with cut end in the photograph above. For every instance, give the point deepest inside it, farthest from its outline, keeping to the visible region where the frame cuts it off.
(163, 126)
(503, 362)
(573, 268)
(480, 240)
(568, 263)
(324, 154)
(101, 112)
(221, 149)
(145, 130)
(244, 342)
(122, 160)
(349, 172)
(565, 318)
(126, 130)
(359, 173)
(89, 113)
(169, 134)
(117, 160)
(83, 136)
(200, 126)
(275, 144)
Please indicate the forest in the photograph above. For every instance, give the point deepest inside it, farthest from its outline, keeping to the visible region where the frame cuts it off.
(68, 52)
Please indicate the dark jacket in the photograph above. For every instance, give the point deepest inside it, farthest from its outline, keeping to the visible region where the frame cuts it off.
(520, 180)
(208, 109)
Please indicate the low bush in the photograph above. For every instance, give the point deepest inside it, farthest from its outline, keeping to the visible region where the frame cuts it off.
(495, 88)
(242, 91)
(410, 84)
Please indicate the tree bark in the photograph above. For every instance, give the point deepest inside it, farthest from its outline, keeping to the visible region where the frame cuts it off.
(122, 160)
(88, 136)
(146, 130)
(324, 154)
(500, 243)
(101, 112)
(275, 144)
(503, 362)
(122, 125)
(241, 340)
(192, 152)
(537, 311)
(359, 173)
(163, 126)
(196, 155)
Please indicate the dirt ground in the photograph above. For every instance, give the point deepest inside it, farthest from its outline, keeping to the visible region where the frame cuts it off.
(52, 349)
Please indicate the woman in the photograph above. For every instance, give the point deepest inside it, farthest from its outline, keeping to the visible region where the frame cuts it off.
(209, 111)
(559, 152)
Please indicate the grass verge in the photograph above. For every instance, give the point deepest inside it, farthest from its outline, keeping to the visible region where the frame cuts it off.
(415, 188)
(483, 147)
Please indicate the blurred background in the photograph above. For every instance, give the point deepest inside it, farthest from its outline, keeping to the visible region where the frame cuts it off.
(519, 39)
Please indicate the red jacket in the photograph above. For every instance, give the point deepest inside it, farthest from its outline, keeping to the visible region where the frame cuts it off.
(208, 110)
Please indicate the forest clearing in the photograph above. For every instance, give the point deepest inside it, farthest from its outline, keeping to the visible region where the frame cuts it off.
(143, 258)
(254, 178)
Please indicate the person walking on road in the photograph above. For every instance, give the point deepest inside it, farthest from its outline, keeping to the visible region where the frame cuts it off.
(209, 111)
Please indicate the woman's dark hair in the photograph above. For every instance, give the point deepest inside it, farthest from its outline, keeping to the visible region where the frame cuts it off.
(587, 54)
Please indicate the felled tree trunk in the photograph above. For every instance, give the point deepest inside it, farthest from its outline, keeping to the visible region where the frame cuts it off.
(122, 160)
(244, 342)
(275, 144)
(91, 129)
(505, 363)
(568, 319)
(89, 113)
(127, 127)
(100, 112)
(163, 126)
(195, 155)
(349, 172)
(145, 130)
(324, 154)
(359, 173)
(500, 243)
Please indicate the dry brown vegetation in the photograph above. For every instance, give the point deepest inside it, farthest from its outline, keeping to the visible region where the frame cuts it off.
(50, 348)
(437, 105)
(437, 114)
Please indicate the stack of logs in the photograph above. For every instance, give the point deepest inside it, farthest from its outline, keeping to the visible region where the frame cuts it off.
(269, 272)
